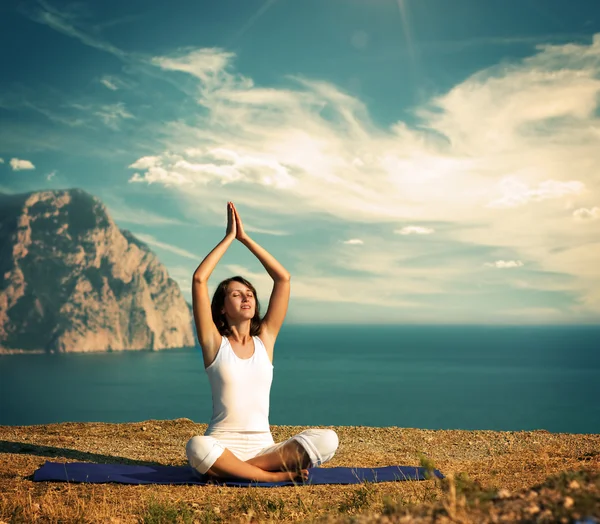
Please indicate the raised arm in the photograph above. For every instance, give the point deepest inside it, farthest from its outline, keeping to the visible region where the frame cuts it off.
(280, 296)
(208, 334)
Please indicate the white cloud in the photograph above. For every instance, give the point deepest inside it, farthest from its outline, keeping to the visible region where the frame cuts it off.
(585, 214)
(1, 160)
(495, 157)
(414, 230)
(354, 241)
(326, 289)
(51, 175)
(533, 122)
(109, 83)
(19, 165)
(274, 232)
(162, 176)
(150, 240)
(504, 264)
(112, 114)
(450, 168)
(517, 193)
(208, 65)
(222, 166)
(146, 162)
(130, 215)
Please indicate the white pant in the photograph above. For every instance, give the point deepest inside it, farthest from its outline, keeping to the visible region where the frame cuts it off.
(203, 451)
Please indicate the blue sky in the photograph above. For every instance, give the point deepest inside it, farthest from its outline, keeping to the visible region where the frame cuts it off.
(426, 161)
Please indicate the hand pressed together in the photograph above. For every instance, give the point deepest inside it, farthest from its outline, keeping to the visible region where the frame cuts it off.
(234, 223)
(231, 221)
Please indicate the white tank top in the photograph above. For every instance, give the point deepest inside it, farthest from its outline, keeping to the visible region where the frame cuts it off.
(240, 389)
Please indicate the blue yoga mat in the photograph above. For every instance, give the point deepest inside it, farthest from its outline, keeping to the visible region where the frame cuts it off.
(127, 474)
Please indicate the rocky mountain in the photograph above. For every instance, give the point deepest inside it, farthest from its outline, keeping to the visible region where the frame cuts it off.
(72, 281)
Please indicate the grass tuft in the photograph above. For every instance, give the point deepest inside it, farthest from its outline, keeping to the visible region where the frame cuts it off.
(166, 513)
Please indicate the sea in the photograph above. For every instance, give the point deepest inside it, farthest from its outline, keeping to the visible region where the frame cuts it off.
(502, 378)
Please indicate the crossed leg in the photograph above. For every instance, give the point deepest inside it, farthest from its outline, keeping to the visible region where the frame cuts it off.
(291, 457)
(287, 463)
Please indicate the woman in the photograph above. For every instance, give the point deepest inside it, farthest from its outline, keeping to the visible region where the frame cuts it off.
(237, 347)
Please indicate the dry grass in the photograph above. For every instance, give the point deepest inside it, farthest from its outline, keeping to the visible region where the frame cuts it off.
(478, 464)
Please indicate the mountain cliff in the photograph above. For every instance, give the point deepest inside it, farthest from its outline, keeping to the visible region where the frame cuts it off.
(72, 281)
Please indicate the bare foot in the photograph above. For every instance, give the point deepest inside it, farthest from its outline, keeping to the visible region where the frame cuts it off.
(282, 476)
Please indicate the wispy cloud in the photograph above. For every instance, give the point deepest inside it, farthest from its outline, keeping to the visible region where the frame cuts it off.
(127, 215)
(496, 156)
(459, 45)
(151, 241)
(53, 106)
(98, 27)
(517, 193)
(109, 83)
(327, 289)
(480, 158)
(183, 276)
(66, 22)
(274, 232)
(23, 100)
(585, 214)
(251, 21)
(112, 114)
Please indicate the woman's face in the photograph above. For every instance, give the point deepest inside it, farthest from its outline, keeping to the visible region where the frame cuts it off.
(240, 301)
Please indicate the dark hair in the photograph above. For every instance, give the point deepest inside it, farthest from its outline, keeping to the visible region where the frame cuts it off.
(218, 302)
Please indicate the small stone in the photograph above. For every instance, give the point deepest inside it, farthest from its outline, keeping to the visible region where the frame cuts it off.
(503, 493)
(533, 509)
(574, 485)
(568, 502)
(143, 428)
(217, 509)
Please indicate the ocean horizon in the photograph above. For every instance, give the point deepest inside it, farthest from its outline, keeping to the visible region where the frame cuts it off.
(443, 376)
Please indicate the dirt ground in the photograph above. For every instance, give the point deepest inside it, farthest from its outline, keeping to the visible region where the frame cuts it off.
(494, 467)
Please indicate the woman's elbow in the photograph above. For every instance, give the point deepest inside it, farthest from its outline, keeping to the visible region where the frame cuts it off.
(198, 278)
